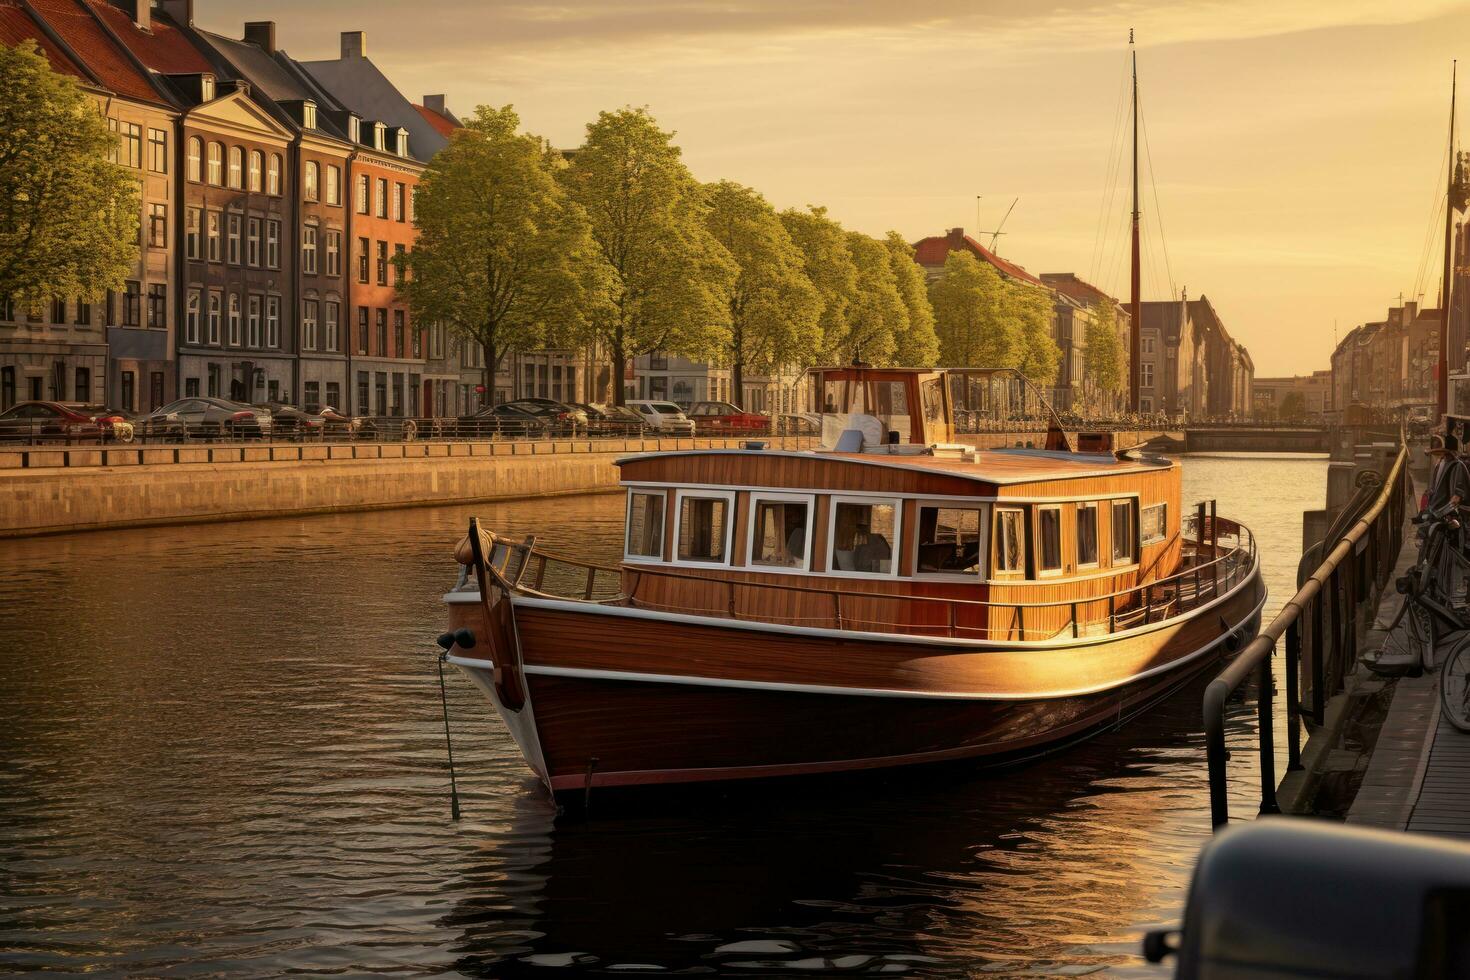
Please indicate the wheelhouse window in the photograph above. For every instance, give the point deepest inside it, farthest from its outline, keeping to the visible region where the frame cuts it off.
(1010, 541)
(1125, 532)
(863, 536)
(645, 524)
(1049, 540)
(780, 532)
(1154, 524)
(704, 527)
(948, 541)
(1087, 535)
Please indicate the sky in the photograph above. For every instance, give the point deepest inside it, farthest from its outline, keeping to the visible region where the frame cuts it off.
(1293, 159)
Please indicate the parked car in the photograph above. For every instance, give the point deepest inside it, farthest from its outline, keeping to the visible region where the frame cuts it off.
(48, 422)
(201, 416)
(117, 424)
(290, 422)
(502, 420)
(611, 420)
(560, 418)
(663, 417)
(725, 418)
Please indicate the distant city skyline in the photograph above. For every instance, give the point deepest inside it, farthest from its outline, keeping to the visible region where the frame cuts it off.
(1296, 145)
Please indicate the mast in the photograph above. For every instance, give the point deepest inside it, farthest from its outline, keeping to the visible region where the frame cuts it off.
(1444, 286)
(1135, 277)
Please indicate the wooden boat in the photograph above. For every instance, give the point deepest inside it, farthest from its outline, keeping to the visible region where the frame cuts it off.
(891, 598)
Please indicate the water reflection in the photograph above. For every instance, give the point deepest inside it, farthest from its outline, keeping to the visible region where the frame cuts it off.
(224, 753)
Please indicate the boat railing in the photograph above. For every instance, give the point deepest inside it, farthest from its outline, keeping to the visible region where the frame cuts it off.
(1320, 625)
(524, 568)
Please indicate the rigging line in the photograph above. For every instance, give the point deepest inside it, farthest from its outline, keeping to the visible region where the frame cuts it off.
(1114, 284)
(1110, 179)
(1154, 183)
(1436, 208)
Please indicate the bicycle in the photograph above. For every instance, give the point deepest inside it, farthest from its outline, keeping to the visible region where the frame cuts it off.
(1432, 614)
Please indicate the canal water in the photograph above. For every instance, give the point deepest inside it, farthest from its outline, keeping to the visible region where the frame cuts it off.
(221, 752)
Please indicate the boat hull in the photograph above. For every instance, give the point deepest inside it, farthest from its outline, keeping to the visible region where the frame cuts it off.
(617, 697)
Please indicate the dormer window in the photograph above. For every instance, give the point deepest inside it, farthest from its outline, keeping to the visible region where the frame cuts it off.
(380, 136)
(206, 88)
(354, 129)
(402, 143)
(308, 114)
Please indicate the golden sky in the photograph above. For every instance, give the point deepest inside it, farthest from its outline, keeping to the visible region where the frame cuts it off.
(1295, 145)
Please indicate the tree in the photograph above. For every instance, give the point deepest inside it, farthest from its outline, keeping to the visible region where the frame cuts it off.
(68, 216)
(876, 316)
(1040, 355)
(1102, 363)
(971, 318)
(829, 266)
(1293, 406)
(774, 309)
(917, 345)
(668, 280)
(503, 256)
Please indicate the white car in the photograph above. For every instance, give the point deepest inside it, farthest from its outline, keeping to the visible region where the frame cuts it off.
(663, 417)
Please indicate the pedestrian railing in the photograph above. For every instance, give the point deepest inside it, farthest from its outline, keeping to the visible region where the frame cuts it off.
(1320, 628)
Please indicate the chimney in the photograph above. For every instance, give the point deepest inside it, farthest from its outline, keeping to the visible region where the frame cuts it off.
(181, 12)
(354, 44)
(956, 238)
(262, 34)
(139, 10)
(435, 103)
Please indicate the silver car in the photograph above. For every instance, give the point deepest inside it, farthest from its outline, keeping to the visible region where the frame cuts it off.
(201, 416)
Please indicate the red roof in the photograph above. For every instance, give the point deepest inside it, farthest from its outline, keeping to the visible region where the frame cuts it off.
(932, 251)
(85, 36)
(442, 126)
(1084, 292)
(163, 47)
(16, 25)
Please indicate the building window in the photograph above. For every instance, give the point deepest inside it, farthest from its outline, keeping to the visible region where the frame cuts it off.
(1087, 535)
(413, 204)
(704, 527)
(312, 400)
(214, 222)
(382, 319)
(84, 313)
(311, 174)
(233, 225)
(863, 534)
(216, 163)
(7, 309)
(158, 151)
(334, 394)
(362, 260)
(1145, 374)
(334, 252)
(132, 304)
(158, 225)
(417, 341)
(214, 376)
(1010, 541)
(363, 193)
(308, 250)
(1049, 539)
(157, 305)
(252, 320)
(237, 167)
(252, 242)
(645, 525)
(308, 324)
(1125, 533)
(256, 160)
(191, 387)
(83, 390)
(58, 310)
(948, 541)
(129, 143)
(196, 147)
(273, 176)
(192, 219)
(382, 263)
(234, 322)
(191, 317)
(272, 244)
(398, 266)
(362, 329)
(129, 392)
(214, 303)
(273, 322)
(780, 534)
(1153, 523)
(1146, 345)
(398, 349)
(380, 392)
(331, 312)
(382, 210)
(334, 184)
(399, 192)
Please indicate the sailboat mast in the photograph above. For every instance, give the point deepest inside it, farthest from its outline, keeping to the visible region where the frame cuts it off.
(1444, 286)
(1135, 277)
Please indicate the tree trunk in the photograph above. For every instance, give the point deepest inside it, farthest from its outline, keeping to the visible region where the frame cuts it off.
(617, 365)
(737, 367)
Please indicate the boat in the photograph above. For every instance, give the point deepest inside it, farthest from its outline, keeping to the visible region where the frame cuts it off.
(887, 597)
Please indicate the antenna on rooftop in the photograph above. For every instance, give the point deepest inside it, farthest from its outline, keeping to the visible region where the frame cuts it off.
(995, 235)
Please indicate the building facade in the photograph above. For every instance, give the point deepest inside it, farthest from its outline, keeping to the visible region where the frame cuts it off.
(1302, 396)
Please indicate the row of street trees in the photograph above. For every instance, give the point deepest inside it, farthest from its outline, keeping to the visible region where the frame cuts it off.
(522, 248)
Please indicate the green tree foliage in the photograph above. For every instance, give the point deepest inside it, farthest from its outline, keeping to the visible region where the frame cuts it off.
(1040, 355)
(774, 309)
(1293, 406)
(503, 256)
(68, 217)
(829, 266)
(669, 281)
(971, 319)
(876, 316)
(917, 345)
(1103, 362)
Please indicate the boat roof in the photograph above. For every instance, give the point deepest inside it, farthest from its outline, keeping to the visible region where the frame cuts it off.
(1001, 467)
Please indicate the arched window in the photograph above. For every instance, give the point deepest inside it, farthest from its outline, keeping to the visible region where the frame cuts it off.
(257, 159)
(312, 174)
(237, 164)
(216, 164)
(273, 175)
(196, 147)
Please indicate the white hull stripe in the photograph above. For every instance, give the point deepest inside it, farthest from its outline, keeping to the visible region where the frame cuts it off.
(691, 681)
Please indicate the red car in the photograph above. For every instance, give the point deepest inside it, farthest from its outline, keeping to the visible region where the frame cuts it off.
(47, 422)
(723, 417)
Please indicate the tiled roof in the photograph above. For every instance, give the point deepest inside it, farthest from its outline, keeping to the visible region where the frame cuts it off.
(359, 85)
(1069, 284)
(270, 76)
(84, 35)
(163, 47)
(442, 126)
(17, 25)
(932, 251)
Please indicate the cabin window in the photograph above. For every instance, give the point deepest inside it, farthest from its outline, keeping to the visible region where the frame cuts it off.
(891, 407)
(704, 527)
(931, 393)
(1154, 524)
(948, 540)
(645, 524)
(1125, 551)
(1010, 541)
(780, 531)
(1087, 535)
(863, 536)
(1048, 540)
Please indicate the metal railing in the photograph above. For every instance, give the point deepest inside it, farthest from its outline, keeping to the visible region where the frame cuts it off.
(1320, 627)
